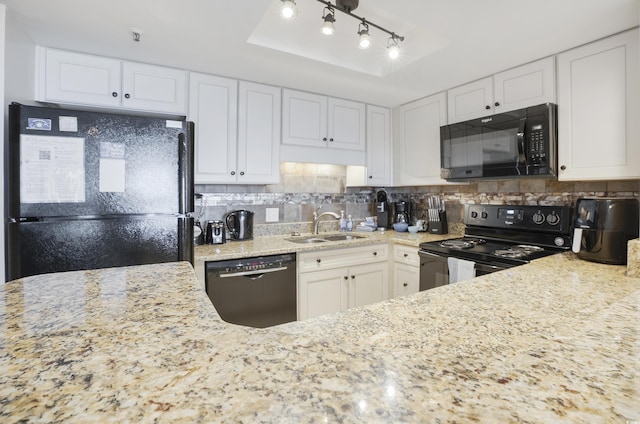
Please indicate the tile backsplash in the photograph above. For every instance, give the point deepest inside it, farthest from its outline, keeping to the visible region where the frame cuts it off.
(305, 187)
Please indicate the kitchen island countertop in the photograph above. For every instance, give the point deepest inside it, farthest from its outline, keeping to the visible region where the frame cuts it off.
(556, 340)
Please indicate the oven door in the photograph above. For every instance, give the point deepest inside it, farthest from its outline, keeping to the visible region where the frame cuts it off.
(434, 271)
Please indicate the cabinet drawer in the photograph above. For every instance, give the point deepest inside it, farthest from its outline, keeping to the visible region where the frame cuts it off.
(328, 259)
(406, 255)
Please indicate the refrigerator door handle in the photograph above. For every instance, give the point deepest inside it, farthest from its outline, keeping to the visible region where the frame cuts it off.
(185, 168)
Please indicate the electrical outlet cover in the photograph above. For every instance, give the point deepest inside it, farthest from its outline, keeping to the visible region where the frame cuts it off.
(272, 215)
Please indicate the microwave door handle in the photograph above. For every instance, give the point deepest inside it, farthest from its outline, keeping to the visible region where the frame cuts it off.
(521, 145)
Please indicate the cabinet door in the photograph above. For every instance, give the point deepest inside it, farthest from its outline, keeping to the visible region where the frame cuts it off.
(213, 105)
(154, 88)
(598, 110)
(378, 146)
(258, 134)
(322, 292)
(76, 78)
(416, 141)
(369, 284)
(346, 125)
(304, 119)
(528, 85)
(471, 100)
(406, 279)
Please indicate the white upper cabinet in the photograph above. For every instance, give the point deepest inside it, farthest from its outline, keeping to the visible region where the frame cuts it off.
(379, 159)
(378, 169)
(526, 85)
(237, 125)
(80, 79)
(304, 118)
(213, 107)
(416, 141)
(322, 129)
(154, 88)
(259, 113)
(598, 110)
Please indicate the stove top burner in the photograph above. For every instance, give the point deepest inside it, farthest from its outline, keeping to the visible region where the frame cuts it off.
(461, 243)
(518, 251)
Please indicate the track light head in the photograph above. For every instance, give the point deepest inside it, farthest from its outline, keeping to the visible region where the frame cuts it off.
(288, 10)
(365, 38)
(393, 48)
(327, 27)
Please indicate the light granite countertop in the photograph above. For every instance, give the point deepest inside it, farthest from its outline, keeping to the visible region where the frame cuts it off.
(556, 340)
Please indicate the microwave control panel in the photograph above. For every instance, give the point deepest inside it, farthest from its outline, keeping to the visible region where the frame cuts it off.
(537, 145)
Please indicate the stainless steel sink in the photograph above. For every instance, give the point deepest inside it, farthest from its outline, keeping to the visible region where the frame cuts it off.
(342, 237)
(323, 239)
(306, 240)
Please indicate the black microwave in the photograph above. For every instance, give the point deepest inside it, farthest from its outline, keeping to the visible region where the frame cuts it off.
(520, 143)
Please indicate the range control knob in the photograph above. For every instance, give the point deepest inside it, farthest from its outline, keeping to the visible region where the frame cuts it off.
(553, 218)
(484, 215)
(538, 218)
(474, 214)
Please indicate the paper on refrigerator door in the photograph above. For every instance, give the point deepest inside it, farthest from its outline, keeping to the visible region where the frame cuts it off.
(112, 167)
(51, 169)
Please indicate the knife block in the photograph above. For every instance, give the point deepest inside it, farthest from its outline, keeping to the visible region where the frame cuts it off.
(440, 226)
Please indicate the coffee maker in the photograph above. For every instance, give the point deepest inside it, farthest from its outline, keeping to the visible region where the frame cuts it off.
(602, 228)
(383, 215)
(402, 212)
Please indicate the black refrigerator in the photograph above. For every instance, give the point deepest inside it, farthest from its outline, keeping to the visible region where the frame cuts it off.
(87, 190)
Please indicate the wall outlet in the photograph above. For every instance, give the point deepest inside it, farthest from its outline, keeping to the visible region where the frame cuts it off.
(272, 215)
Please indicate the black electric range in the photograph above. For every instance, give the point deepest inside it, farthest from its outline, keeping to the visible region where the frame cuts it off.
(498, 237)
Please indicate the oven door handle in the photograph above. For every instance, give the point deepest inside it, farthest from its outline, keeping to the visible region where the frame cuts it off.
(485, 268)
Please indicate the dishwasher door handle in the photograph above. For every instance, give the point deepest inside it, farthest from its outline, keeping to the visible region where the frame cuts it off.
(256, 272)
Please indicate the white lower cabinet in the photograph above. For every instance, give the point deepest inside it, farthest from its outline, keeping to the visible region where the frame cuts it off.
(406, 270)
(335, 280)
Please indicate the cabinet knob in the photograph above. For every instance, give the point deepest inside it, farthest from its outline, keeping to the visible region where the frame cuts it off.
(405, 284)
(346, 277)
(318, 260)
(241, 172)
(487, 107)
(233, 172)
(406, 255)
(562, 167)
(496, 104)
(126, 96)
(331, 139)
(324, 138)
(370, 177)
(375, 253)
(114, 94)
(353, 277)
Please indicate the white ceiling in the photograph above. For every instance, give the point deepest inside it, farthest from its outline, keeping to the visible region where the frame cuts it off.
(447, 43)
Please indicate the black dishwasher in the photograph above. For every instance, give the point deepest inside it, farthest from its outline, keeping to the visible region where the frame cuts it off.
(256, 292)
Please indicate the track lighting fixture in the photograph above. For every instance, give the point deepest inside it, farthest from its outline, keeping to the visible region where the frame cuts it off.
(328, 16)
(392, 47)
(365, 38)
(288, 10)
(347, 7)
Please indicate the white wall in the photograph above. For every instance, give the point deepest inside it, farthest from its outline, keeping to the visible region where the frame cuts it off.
(17, 75)
(3, 10)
